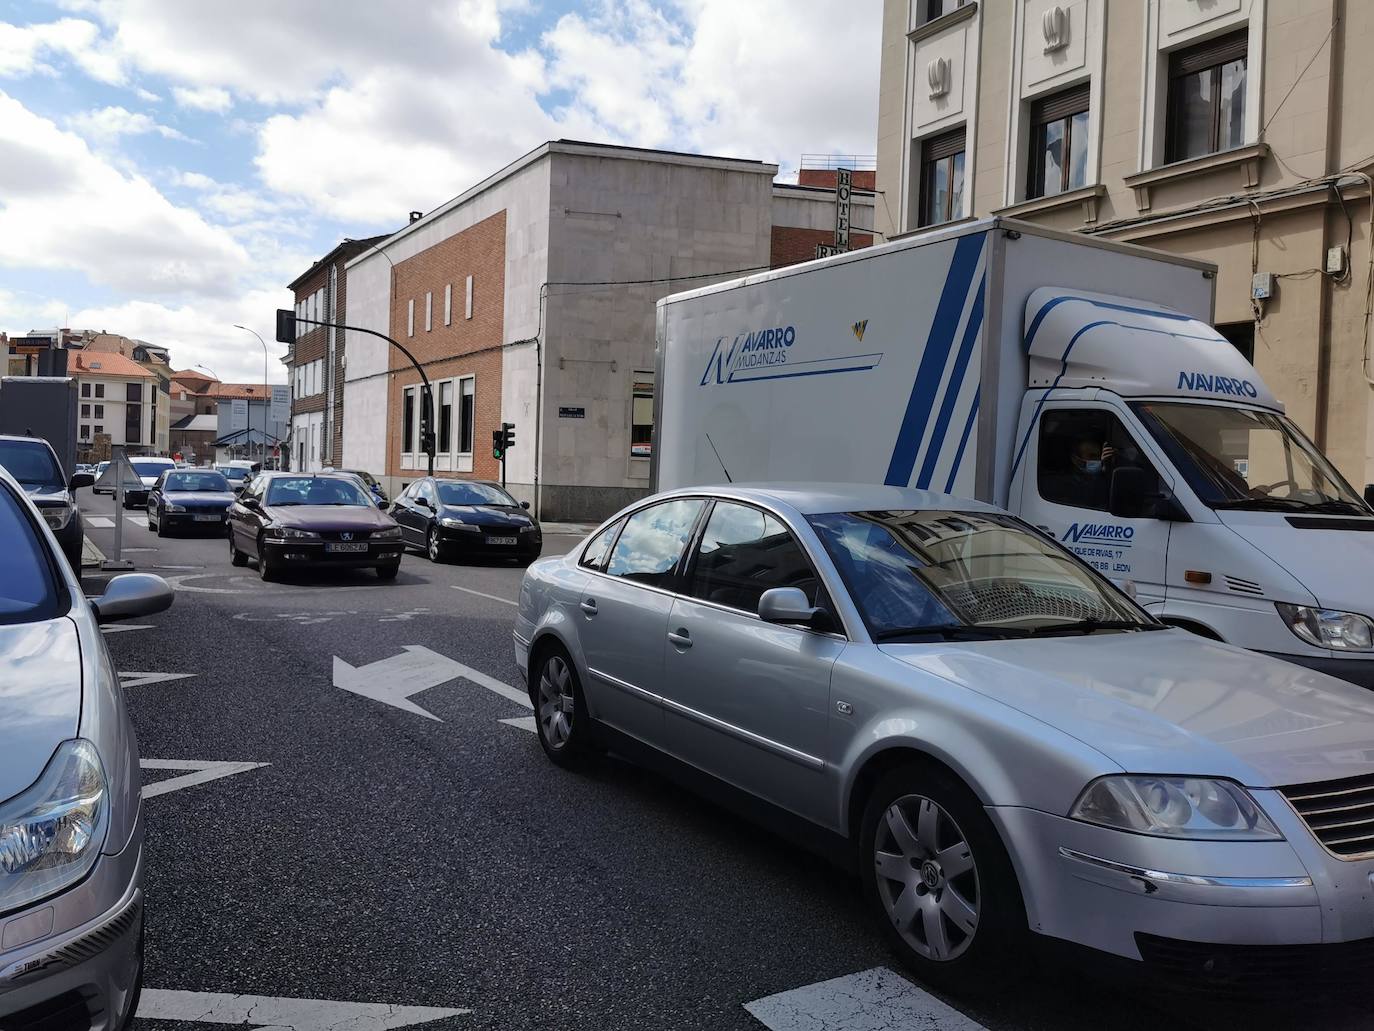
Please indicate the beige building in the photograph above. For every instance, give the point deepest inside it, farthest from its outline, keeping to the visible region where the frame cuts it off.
(1233, 130)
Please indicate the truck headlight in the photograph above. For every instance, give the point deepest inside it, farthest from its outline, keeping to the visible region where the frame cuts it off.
(1174, 807)
(1329, 628)
(457, 524)
(51, 833)
(391, 533)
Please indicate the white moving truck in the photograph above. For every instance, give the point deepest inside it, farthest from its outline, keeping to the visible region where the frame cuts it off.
(1074, 381)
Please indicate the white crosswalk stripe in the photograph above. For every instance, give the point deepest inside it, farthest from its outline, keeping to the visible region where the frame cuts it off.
(100, 522)
(871, 1000)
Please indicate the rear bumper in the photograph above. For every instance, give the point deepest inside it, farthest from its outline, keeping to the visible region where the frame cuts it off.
(303, 554)
(1356, 671)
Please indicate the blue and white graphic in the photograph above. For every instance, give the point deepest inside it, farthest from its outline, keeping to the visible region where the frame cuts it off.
(767, 354)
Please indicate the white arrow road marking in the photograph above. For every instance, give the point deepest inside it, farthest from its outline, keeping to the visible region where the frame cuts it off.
(101, 522)
(131, 678)
(483, 594)
(119, 628)
(416, 669)
(277, 1013)
(523, 722)
(870, 1000)
(201, 771)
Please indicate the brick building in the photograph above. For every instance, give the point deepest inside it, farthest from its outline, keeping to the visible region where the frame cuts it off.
(315, 363)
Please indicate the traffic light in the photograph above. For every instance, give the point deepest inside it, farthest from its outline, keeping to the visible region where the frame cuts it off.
(286, 326)
(507, 435)
(498, 440)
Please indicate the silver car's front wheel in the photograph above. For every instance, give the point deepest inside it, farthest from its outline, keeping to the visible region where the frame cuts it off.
(927, 878)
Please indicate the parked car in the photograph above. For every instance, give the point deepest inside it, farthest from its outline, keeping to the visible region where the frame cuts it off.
(99, 472)
(311, 520)
(148, 471)
(71, 835)
(196, 499)
(372, 484)
(466, 519)
(1008, 742)
(34, 465)
(237, 472)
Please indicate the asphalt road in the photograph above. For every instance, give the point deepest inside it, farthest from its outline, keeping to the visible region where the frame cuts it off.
(382, 857)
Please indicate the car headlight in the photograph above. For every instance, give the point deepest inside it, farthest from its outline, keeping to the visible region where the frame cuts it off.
(457, 524)
(1174, 807)
(389, 534)
(1329, 628)
(290, 533)
(51, 834)
(172, 507)
(57, 516)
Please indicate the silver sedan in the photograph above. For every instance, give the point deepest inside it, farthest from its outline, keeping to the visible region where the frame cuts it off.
(1009, 744)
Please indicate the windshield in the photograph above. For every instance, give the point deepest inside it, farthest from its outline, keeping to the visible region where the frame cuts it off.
(27, 590)
(315, 490)
(150, 468)
(915, 572)
(460, 493)
(234, 472)
(208, 481)
(31, 462)
(1242, 458)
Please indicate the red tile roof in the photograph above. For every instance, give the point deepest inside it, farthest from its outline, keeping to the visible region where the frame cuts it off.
(106, 363)
(229, 391)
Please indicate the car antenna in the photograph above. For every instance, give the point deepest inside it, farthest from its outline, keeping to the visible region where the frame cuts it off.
(719, 459)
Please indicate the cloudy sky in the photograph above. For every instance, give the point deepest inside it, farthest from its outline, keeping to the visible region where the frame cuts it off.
(167, 166)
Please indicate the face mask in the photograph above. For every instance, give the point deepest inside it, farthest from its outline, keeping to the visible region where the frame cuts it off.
(1093, 466)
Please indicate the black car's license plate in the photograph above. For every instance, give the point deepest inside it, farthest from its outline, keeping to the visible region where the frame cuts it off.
(501, 540)
(331, 546)
(211, 518)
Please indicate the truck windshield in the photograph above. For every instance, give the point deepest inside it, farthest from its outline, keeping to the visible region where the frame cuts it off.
(31, 462)
(1240, 458)
(917, 575)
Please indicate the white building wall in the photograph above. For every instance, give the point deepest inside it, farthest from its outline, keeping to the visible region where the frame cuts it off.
(809, 207)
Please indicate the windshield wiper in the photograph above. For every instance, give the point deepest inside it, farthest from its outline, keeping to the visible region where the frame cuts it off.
(1335, 506)
(1262, 504)
(1088, 626)
(952, 632)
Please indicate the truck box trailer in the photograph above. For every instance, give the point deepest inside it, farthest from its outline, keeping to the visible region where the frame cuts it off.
(42, 406)
(1077, 382)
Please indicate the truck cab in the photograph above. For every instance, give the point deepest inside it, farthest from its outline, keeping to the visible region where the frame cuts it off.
(1152, 449)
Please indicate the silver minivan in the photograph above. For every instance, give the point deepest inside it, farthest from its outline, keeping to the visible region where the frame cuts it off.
(71, 834)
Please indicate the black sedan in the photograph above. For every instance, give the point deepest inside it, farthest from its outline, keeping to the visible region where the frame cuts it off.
(466, 519)
(300, 520)
(189, 499)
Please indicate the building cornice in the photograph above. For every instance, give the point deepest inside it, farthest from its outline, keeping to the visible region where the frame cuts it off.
(1089, 197)
(945, 21)
(1245, 160)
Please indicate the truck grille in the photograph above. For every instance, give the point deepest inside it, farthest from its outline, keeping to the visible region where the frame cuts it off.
(1339, 812)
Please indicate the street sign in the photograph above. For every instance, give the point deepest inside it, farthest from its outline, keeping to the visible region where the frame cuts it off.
(844, 184)
(570, 412)
(281, 403)
(828, 250)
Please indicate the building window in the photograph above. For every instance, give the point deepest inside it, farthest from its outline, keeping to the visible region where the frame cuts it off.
(942, 178)
(448, 304)
(410, 317)
(85, 411)
(408, 420)
(1059, 143)
(467, 304)
(466, 392)
(85, 390)
(445, 416)
(929, 10)
(642, 415)
(1206, 110)
(85, 432)
(99, 429)
(133, 392)
(100, 411)
(429, 311)
(100, 390)
(1242, 337)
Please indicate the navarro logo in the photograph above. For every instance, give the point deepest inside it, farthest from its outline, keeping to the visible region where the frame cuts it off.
(1098, 532)
(859, 329)
(1216, 384)
(760, 348)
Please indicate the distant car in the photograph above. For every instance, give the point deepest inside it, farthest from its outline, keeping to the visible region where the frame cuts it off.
(372, 484)
(466, 519)
(71, 836)
(148, 471)
(237, 472)
(189, 499)
(305, 520)
(378, 498)
(99, 472)
(34, 465)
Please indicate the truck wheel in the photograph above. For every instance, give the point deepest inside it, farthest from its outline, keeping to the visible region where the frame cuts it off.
(936, 874)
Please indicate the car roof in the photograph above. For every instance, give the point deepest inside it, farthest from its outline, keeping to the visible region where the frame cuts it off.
(25, 440)
(817, 498)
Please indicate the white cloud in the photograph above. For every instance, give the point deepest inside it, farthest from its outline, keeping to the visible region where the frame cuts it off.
(147, 96)
(109, 123)
(232, 202)
(203, 98)
(23, 49)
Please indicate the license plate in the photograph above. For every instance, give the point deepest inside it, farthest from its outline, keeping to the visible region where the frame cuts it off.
(207, 518)
(501, 540)
(345, 547)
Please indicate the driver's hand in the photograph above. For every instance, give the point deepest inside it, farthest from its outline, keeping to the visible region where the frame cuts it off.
(1108, 453)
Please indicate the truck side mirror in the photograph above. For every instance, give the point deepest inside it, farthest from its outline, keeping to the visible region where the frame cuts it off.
(1138, 494)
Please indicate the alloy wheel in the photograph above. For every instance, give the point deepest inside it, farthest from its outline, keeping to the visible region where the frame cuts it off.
(556, 703)
(927, 878)
(433, 544)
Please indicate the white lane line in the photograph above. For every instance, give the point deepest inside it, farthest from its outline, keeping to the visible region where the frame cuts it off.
(119, 628)
(523, 722)
(201, 771)
(101, 522)
(137, 520)
(393, 680)
(281, 1013)
(133, 678)
(483, 594)
(871, 1000)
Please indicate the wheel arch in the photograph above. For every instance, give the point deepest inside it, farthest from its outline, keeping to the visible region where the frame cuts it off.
(1192, 626)
(878, 765)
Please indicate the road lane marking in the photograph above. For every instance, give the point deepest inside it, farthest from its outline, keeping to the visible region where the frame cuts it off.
(132, 678)
(393, 680)
(870, 1000)
(523, 722)
(282, 1013)
(201, 771)
(119, 628)
(483, 594)
(137, 520)
(100, 522)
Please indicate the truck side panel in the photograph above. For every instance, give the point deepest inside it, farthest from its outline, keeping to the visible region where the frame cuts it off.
(862, 371)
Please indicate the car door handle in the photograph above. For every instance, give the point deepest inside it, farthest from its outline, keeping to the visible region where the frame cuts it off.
(680, 637)
(589, 606)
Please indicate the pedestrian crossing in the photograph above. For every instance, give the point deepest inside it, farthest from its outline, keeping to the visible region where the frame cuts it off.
(101, 522)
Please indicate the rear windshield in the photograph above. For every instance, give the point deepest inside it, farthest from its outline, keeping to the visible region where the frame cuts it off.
(28, 591)
(196, 481)
(235, 472)
(31, 462)
(151, 468)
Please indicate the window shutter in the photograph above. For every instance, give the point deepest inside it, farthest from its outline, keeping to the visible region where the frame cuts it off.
(1061, 105)
(1214, 52)
(945, 145)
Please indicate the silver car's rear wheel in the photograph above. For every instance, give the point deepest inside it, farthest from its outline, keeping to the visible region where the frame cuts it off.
(557, 703)
(927, 878)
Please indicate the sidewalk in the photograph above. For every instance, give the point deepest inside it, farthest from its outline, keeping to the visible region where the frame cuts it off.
(568, 529)
(90, 554)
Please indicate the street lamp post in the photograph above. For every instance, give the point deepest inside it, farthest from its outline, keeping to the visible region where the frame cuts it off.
(266, 400)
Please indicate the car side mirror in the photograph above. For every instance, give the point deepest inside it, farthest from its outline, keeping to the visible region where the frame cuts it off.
(381, 503)
(1137, 493)
(251, 504)
(80, 480)
(525, 505)
(131, 596)
(788, 605)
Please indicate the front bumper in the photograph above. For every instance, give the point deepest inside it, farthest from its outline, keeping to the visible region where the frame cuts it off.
(302, 554)
(1357, 671)
(79, 952)
(466, 544)
(1110, 890)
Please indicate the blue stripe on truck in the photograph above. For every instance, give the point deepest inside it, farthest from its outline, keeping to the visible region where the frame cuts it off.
(938, 343)
(1054, 302)
(956, 383)
(963, 441)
